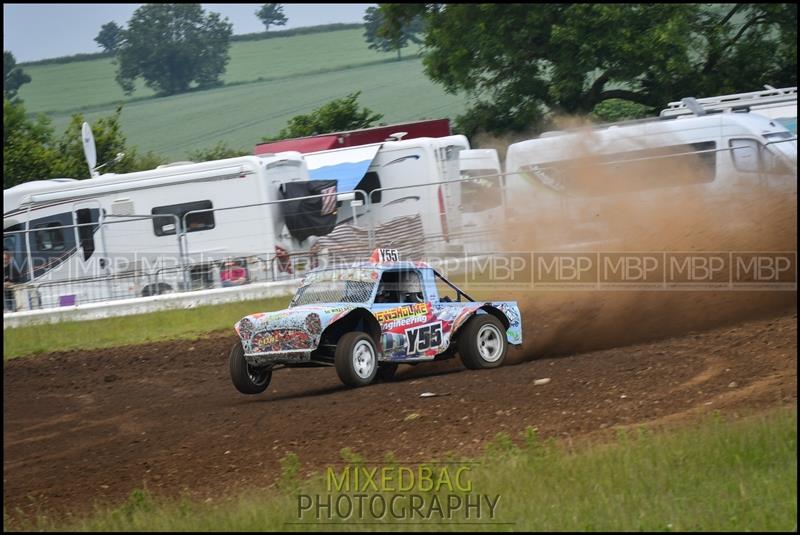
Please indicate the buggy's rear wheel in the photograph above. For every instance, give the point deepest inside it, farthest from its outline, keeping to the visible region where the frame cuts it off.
(356, 359)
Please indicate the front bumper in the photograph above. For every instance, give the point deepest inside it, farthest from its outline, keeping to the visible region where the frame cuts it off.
(278, 357)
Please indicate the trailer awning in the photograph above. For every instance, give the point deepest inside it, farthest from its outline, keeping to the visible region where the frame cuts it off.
(346, 166)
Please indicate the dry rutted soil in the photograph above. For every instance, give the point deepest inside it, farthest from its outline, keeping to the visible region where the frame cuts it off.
(88, 427)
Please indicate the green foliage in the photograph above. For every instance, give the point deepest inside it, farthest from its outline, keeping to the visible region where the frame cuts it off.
(614, 110)
(28, 153)
(290, 469)
(109, 142)
(568, 58)
(335, 116)
(259, 98)
(305, 30)
(373, 21)
(219, 151)
(171, 46)
(137, 329)
(32, 151)
(109, 36)
(13, 76)
(271, 15)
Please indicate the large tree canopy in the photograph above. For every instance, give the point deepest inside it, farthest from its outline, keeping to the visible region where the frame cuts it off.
(171, 46)
(518, 61)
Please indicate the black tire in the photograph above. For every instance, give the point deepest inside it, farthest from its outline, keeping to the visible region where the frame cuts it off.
(356, 359)
(482, 342)
(387, 371)
(247, 379)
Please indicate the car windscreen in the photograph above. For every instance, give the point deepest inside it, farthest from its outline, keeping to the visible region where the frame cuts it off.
(336, 286)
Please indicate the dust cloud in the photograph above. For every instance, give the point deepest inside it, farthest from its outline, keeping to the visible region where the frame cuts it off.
(604, 208)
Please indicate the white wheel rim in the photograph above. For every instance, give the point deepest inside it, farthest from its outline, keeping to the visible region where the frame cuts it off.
(490, 343)
(363, 359)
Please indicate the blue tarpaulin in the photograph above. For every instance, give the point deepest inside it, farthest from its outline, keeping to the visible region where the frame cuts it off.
(346, 166)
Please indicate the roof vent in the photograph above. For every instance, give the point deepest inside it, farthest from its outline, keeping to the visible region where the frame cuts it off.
(397, 136)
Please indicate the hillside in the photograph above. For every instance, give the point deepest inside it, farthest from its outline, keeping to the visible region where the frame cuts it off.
(267, 83)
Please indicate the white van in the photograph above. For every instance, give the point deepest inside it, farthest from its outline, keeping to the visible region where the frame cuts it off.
(714, 153)
(778, 104)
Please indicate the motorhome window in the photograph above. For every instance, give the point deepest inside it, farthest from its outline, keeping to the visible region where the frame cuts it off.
(14, 241)
(51, 239)
(370, 183)
(482, 193)
(86, 216)
(195, 222)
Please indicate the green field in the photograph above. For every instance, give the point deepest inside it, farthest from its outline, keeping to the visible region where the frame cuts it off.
(267, 83)
(712, 475)
(111, 332)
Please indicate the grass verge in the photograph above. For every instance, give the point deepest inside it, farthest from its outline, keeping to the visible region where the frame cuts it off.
(136, 329)
(713, 475)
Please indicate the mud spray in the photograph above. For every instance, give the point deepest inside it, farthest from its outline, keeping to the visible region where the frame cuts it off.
(604, 214)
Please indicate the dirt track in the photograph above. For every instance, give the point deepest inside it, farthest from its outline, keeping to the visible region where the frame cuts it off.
(84, 427)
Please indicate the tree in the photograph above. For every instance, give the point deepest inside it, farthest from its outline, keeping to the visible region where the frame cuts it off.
(271, 15)
(109, 36)
(373, 21)
(172, 45)
(531, 60)
(13, 76)
(32, 151)
(335, 116)
(219, 151)
(27, 153)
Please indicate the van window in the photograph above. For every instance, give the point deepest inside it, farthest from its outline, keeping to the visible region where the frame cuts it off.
(480, 194)
(745, 155)
(634, 170)
(750, 156)
(165, 226)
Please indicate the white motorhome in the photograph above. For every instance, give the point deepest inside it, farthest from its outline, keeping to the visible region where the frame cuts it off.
(712, 153)
(127, 235)
(402, 178)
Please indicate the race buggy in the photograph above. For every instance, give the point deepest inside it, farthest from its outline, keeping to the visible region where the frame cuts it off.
(365, 319)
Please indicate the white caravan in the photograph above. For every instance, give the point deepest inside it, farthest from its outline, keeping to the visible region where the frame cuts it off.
(137, 231)
(402, 178)
(715, 154)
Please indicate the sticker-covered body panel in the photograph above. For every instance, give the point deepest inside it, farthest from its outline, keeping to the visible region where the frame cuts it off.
(410, 332)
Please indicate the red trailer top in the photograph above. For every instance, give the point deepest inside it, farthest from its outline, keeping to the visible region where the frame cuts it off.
(353, 138)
